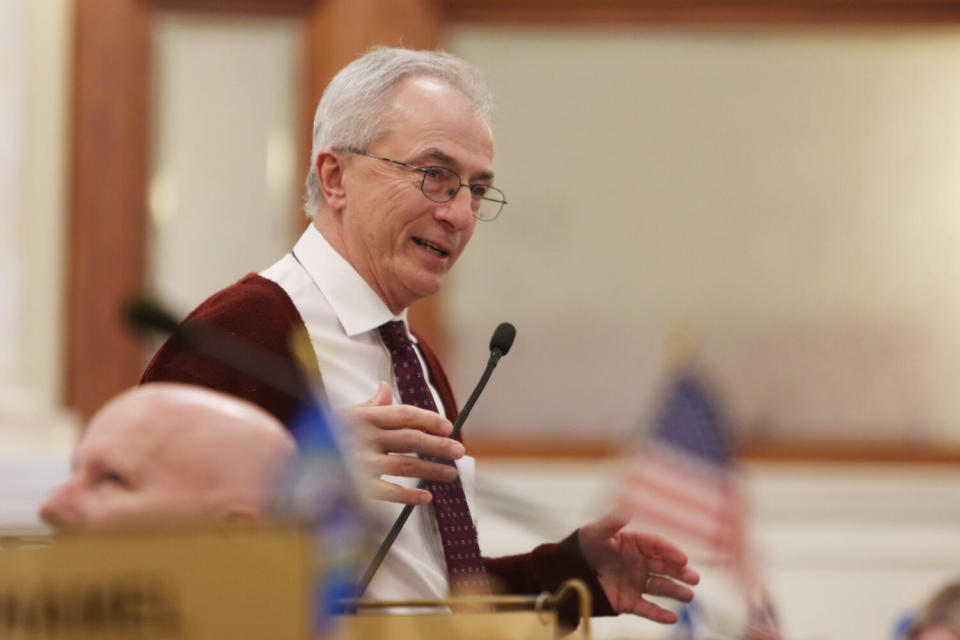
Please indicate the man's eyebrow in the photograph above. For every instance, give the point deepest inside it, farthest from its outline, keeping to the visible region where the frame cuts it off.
(433, 153)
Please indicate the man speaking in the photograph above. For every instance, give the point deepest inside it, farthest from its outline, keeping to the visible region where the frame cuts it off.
(401, 172)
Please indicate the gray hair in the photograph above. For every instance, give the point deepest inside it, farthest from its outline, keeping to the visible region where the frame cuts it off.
(353, 109)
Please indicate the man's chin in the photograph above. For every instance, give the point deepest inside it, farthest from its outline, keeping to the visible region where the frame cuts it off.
(425, 286)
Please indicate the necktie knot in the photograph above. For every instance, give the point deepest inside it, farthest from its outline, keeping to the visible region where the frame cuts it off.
(394, 335)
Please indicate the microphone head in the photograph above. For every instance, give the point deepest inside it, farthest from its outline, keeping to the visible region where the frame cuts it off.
(146, 315)
(503, 337)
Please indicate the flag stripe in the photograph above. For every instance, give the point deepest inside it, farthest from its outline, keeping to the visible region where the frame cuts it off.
(670, 500)
(711, 499)
(677, 522)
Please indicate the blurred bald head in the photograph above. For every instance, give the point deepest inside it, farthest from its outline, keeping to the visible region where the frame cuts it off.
(170, 452)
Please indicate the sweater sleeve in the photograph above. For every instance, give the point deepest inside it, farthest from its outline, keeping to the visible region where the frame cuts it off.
(545, 569)
(254, 309)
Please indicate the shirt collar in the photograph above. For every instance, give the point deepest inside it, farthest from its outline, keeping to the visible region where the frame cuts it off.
(356, 305)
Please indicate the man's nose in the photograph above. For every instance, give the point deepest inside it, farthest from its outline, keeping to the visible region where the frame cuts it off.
(458, 212)
(60, 510)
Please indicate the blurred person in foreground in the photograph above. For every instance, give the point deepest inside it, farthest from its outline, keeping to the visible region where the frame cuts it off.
(940, 617)
(169, 453)
(401, 172)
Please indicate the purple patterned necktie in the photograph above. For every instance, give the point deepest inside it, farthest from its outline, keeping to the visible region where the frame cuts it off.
(457, 533)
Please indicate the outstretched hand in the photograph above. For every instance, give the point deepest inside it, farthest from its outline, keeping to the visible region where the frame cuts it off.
(630, 565)
(385, 428)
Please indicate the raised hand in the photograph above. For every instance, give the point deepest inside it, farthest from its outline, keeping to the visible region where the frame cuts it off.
(630, 565)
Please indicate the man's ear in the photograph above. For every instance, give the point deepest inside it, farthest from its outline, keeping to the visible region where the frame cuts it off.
(329, 166)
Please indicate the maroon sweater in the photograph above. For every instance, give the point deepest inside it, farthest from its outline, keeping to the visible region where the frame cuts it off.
(260, 311)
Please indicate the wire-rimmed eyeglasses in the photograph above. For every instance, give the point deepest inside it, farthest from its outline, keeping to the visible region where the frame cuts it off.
(441, 185)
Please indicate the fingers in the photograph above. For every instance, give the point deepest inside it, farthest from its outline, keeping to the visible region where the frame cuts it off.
(660, 556)
(381, 412)
(379, 459)
(651, 611)
(682, 573)
(388, 491)
(412, 467)
(665, 587)
(382, 397)
(661, 548)
(403, 428)
(608, 525)
(383, 464)
(386, 429)
(679, 571)
(664, 561)
(662, 587)
(413, 441)
(402, 416)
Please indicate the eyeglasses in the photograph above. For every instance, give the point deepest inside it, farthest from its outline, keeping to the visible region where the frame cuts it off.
(440, 184)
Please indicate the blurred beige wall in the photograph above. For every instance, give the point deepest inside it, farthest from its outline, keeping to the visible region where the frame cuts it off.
(224, 175)
(791, 194)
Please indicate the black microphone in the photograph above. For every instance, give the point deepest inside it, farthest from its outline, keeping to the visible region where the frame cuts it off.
(502, 340)
(242, 355)
(146, 315)
(500, 344)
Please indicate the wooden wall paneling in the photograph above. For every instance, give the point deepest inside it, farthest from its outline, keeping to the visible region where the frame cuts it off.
(823, 452)
(271, 7)
(341, 30)
(619, 12)
(106, 227)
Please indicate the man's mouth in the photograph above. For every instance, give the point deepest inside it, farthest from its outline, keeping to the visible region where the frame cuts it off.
(432, 248)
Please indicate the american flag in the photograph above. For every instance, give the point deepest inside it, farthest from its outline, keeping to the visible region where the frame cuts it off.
(682, 481)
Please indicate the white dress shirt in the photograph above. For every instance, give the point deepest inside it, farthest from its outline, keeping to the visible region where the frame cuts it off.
(342, 314)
